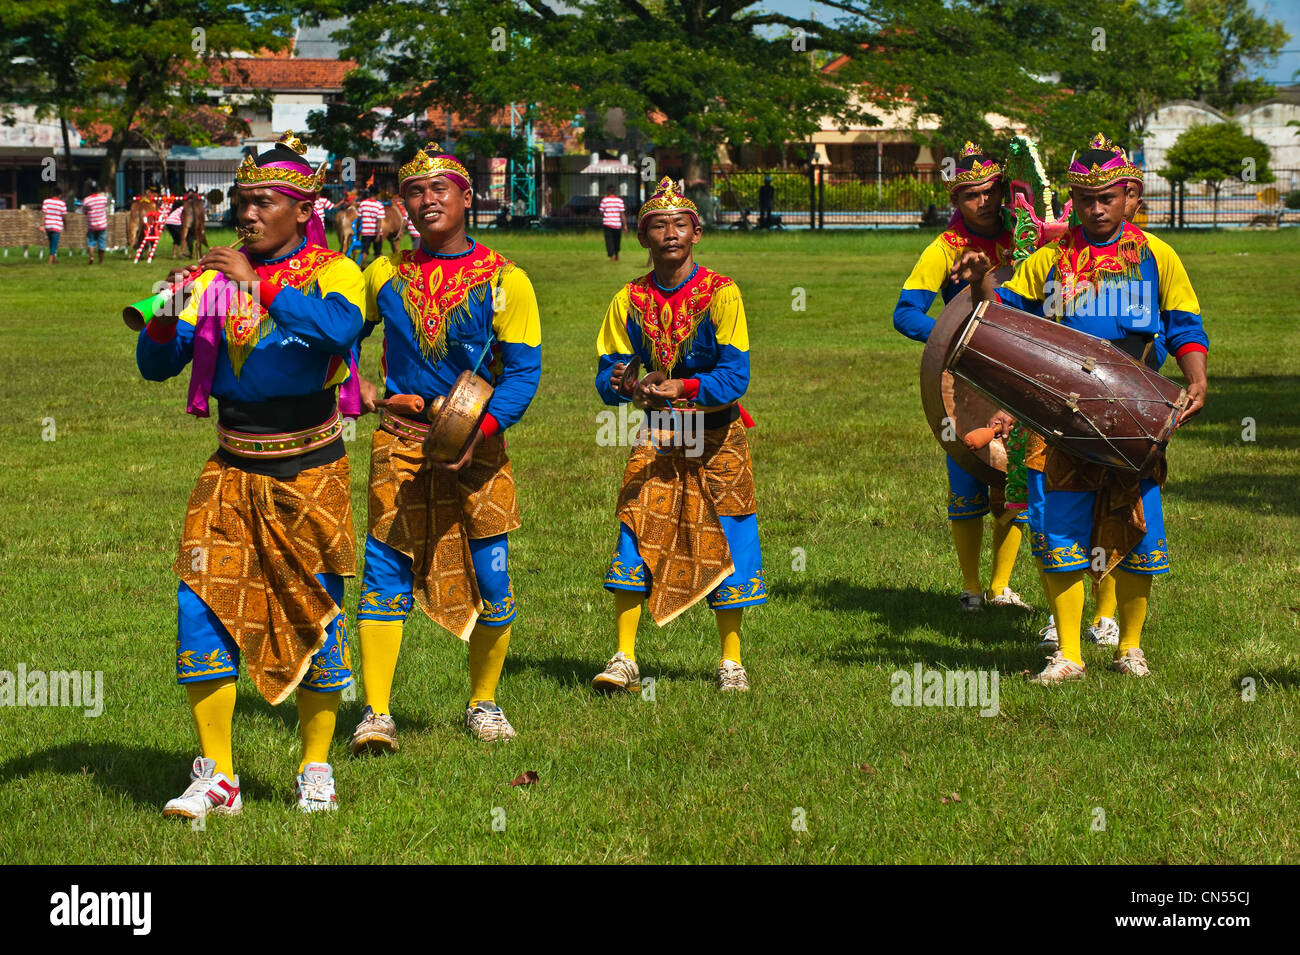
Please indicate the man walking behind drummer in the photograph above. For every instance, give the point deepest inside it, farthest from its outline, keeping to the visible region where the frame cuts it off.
(976, 190)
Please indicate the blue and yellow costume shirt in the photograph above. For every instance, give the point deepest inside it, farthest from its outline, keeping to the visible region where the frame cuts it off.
(441, 311)
(1133, 285)
(297, 341)
(696, 332)
(930, 275)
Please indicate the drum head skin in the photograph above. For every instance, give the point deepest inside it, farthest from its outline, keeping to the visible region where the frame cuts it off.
(953, 407)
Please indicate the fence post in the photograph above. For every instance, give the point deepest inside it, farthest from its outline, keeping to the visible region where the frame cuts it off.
(1182, 196)
(821, 197)
(812, 195)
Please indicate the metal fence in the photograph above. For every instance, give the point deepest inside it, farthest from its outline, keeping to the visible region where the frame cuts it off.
(1193, 204)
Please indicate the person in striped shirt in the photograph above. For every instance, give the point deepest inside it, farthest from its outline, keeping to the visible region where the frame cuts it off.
(53, 210)
(372, 214)
(95, 206)
(613, 218)
(320, 207)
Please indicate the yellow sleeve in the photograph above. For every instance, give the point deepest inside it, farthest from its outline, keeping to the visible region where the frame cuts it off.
(375, 277)
(1030, 278)
(1176, 293)
(342, 276)
(613, 339)
(728, 314)
(932, 268)
(514, 308)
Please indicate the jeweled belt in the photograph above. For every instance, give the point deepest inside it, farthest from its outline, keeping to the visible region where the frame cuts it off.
(401, 426)
(290, 445)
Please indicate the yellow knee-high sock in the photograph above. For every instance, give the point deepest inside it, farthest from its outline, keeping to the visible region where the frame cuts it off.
(316, 716)
(1131, 593)
(968, 537)
(212, 703)
(1042, 581)
(1006, 544)
(1104, 591)
(380, 642)
(729, 632)
(487, 655)
(627, 614)
(1065, 594)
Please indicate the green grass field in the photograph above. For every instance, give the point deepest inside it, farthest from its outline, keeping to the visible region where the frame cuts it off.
(848, 475)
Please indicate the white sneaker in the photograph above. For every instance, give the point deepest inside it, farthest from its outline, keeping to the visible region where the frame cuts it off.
(208, 792)
(1048, 639)
(316, 788)
(1059, 670)
(1104, 632)
(486, 722)
(732, 677)
(620, 673)
(970, 601)
(1132, 663)
(1006, 598)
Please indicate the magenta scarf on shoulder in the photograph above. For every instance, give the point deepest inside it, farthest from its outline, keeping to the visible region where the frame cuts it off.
(211, 318)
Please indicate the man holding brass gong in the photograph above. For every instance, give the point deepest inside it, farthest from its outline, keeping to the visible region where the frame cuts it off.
(461, 362)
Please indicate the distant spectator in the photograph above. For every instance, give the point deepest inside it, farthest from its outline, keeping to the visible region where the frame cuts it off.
(173, 222)
(931, 216)
(766, 203)
(372, 214)
(95, 206)
(321, 206)
(53, 210)
(613, 215)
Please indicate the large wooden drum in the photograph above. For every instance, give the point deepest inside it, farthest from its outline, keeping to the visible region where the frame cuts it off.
(454, 419)
(1080, 392)
(952, 406)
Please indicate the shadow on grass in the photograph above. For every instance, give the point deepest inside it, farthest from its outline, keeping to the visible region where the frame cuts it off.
(967, 639)
(146, 774)
(1261, 398)
(1269, 679)
(576, 673)
(1249, 493)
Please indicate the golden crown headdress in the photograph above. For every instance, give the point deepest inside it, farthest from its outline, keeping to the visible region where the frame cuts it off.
(977, 172)
(1099, 175)
(667, 199)
(428, 162)
(251, 175)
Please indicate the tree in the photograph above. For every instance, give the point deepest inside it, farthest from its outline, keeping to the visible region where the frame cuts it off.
(117, 61)
(1243, 39)
(1214, 154)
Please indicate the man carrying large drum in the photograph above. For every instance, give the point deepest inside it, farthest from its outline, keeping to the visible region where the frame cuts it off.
(1109, 279)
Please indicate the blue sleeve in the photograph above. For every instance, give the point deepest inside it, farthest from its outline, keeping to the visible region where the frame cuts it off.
(521, 373)
(332, 323)
(728, 379)
(158, 362)
(1031, 305)
(1183, 328)
(603, 387)
(910, 316)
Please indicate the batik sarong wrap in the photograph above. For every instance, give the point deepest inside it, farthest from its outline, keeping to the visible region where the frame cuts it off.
(1118, 520)
(672, 500)
(251, 548)
(431, 515)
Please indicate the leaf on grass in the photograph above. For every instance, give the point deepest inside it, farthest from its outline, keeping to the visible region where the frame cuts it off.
(868, 769)
(526, 778)
(953, 798)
